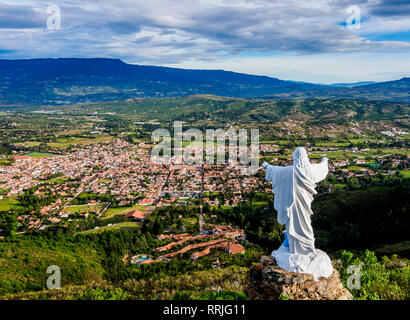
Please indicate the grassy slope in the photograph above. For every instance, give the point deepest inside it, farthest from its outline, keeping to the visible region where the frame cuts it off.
(216, 110)
(192, 284)
(23, 264)
(381, 279)
(8, 203)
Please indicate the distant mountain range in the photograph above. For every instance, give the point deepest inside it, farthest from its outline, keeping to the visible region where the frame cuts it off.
(351, 85)
(68, 81)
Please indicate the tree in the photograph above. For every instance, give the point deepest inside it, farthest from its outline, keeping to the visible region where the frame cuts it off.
(179, 224)
(71, 228)
(206, 207)
(42, 147)
(158, 227)
(8, 224)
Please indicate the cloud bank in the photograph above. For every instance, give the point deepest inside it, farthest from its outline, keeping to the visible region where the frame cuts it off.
(207, 33)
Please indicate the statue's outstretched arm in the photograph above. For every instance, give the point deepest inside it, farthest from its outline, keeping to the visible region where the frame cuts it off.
(320, 170)
(271, 171)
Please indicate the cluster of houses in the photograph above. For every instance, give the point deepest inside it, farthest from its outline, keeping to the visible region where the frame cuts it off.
(393, 132)
(223, 237)
(127, 172)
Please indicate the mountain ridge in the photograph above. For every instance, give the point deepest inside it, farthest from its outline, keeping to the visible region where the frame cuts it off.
(58, 81)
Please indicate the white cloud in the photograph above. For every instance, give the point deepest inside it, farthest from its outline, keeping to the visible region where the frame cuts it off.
(211, 33)
(320, 68)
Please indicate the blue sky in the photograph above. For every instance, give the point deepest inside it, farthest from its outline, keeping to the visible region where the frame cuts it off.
(304, 40)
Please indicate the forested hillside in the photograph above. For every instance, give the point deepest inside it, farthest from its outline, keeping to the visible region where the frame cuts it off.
(68, 81)
(94, 266)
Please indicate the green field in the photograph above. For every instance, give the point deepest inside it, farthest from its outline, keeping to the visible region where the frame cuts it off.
(84, 208)
(31, 144)
(64, 143)
(354, 168)
(277, 142)
(260, 203)
(405, 173)
(122, 211)
(8, 203)
(36, 155)
(58, 179)
(401, 151)
(190, 220)
(121, 225)
(332, 144)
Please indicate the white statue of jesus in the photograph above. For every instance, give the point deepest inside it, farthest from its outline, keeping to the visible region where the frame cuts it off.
(294, 188)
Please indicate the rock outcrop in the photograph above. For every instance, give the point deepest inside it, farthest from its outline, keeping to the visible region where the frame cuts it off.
(270, 282)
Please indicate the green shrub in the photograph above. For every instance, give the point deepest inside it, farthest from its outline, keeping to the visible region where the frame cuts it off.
(220, 295)
(388, 279)
(100, 294)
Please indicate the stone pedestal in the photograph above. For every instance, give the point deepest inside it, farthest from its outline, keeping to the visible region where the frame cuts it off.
(268, 282)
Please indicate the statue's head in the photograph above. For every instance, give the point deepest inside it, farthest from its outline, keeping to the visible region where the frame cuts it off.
(300, 157)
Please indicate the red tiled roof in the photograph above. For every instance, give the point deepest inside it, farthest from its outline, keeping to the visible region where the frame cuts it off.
(235, 248)
(145, 201)
(22, 157)
(135, 214)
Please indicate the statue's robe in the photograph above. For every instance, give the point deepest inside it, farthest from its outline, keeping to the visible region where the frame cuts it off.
(294, 188)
